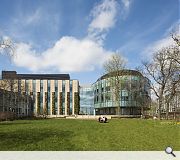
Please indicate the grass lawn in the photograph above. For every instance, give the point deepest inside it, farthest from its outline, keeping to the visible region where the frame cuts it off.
(89, 135)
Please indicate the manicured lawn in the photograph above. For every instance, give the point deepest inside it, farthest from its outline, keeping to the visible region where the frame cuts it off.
(89, 135)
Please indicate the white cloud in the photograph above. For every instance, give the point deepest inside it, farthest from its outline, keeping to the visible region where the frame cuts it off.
(126, 4)
(34, 18)
(67, 55)
(103, 18)
(174, 28)
(167, 41)
(157, 45)
(125, 7)
(70, 54)
(103, 15)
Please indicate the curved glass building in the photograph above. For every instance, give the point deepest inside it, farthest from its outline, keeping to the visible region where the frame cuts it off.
(133, 92)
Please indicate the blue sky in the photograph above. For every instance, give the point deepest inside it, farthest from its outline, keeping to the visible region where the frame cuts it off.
(77, 36)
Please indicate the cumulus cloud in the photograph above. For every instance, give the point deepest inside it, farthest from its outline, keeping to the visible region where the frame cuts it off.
(67, 55)
(70, 54)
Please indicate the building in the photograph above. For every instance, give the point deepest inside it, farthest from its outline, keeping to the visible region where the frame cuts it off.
(19, 104)
(173, 107)
(86, 100)
(134, 94)
(52, 94)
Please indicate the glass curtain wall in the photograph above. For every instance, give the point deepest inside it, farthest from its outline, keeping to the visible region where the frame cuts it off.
(86, 100)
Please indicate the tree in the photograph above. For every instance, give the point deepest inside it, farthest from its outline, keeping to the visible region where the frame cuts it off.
(176, 38)
(140, 94)
(164, 70)
(7, 47)
(114, 67)
(15, 91)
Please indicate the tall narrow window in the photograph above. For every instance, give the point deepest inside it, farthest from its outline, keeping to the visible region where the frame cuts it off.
(41, 96)
(70, 97)
(48, 97)
(63, 96)
(56, 96)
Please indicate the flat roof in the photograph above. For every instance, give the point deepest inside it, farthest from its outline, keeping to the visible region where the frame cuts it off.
(14, 75)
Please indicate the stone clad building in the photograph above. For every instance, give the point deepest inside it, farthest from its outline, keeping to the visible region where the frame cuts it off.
(51, 94)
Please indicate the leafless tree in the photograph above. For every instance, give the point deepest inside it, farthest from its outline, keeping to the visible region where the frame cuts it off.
(165, 74)
(114, 67)
(7, 47)
(176, 38)
(15, 94)
(141, 94)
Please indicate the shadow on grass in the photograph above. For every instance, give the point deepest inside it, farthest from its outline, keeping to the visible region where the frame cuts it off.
(13, 123)
(39, 140)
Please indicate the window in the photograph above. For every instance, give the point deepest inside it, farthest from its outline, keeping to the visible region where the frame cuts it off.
(124, 98)
(102, 98)
(108, 88)
(102, 89)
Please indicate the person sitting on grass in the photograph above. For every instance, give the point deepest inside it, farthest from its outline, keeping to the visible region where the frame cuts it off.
(102, 119)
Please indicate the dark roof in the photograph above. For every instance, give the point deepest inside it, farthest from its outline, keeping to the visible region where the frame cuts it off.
(121, 73)
(14, 75)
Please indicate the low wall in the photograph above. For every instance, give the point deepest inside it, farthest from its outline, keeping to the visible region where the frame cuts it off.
(7, 116)
(77, 116)
(87, 117)
(92, 116)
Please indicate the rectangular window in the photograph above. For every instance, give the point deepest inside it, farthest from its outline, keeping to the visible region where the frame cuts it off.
(34, 93)
(26, 86)
(63, 96)
(48, 95)
(41, 96)
(56, 96)
(71, 96)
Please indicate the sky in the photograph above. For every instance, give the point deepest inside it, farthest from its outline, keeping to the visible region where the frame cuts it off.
(78, 36)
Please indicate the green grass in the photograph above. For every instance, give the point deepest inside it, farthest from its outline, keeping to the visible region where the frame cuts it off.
(88, 135)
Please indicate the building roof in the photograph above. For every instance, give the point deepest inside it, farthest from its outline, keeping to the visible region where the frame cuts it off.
(121, 73)
(14, 75)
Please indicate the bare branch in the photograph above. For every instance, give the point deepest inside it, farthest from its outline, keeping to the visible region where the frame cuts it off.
(7, 47)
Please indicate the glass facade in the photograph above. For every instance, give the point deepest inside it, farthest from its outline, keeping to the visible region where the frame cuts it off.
(86, 100)
(134, 91)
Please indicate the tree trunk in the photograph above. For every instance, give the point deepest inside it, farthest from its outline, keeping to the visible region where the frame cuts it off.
(117, 99)
(167, 110)
(175, 117)
(3, 100)
(142, 111)
(159, 107)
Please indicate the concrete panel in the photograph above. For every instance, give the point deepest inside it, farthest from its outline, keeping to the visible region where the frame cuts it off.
(59, 90)
(52, 89)
(67, 89)
(75, 88)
